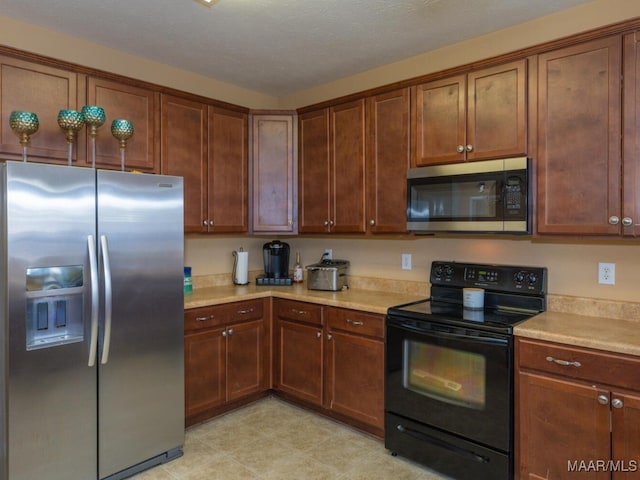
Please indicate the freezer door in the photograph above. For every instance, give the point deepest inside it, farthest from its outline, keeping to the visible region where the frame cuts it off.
(141, 373)
(50, 390)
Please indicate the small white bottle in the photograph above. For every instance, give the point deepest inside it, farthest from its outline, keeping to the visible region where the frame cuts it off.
(297, 270)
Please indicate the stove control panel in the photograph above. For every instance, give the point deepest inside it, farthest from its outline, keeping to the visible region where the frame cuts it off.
(500, 278)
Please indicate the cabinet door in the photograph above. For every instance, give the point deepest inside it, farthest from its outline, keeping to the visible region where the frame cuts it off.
(579, 159)
(274, 174)
(184, 153)
(228, 169)
(631, 155)
(313, 186)
(496, 111)
(355, 377)
(625, 418)
(204, 355)
(245, 359)
(561, 422)
(140, 107)
(388, 158)
(440, 121)
(44, 91)
(298, 366)
(347, 167)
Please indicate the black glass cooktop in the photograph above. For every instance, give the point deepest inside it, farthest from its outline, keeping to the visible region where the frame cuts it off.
(493, 318)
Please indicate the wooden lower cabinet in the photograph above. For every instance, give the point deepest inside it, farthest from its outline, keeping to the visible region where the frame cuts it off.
(226, 352)
(355, 366)
(299, 350)
(571, 422)
(333, 359)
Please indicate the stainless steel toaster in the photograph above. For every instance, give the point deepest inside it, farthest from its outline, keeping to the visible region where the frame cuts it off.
(327, 275)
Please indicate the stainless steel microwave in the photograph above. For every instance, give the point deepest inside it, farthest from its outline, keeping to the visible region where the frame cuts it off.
(490, 196)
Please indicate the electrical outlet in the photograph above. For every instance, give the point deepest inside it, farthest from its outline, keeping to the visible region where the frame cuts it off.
(328, 254)
(607, 273)
(406, 261)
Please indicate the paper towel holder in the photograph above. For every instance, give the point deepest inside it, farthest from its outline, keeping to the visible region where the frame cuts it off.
(236, 275)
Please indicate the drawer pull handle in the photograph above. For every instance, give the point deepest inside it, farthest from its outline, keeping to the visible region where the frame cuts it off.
(204, 319)
(356, 323)
(564, 363)
(244, 312)
(298, 312)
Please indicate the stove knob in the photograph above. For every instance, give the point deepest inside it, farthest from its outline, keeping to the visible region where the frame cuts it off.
(533, 278)
(519, 278)
(448, 271)
(437, 271)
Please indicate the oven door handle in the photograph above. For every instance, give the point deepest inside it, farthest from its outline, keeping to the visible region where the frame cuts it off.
(425, 437)
(498, 339)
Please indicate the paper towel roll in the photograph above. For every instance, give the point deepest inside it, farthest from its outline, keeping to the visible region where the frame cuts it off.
(241, 268)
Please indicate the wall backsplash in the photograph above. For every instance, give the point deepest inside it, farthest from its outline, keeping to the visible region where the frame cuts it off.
(573, 266)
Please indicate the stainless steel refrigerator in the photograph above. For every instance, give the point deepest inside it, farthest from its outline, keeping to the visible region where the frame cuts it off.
(91, 318)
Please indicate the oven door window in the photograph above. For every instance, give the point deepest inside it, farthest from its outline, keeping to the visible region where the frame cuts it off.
(446, 374)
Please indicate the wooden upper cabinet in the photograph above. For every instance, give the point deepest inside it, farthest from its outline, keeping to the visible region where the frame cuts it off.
(579, 131)
(45, 91)
(274, 207)
(347, 135)
(477, 116)
(388, 158)
(331, 189)
(227, 171)
(313, 172)
(440, 121)
(138, 105)
(631, 146)
(184, 153)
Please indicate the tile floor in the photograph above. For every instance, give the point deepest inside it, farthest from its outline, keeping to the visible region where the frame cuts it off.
(273, 440)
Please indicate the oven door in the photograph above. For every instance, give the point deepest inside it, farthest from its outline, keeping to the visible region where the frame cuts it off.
(454, 379)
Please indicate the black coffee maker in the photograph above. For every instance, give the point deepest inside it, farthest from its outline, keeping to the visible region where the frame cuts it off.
(276, 264)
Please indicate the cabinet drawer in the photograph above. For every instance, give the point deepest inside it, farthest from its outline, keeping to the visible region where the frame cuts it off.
(582, 363)
(206, 317)
(299, 311)
(242, 311)
(354, 321)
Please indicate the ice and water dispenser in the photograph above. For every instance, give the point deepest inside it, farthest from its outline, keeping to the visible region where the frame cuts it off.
(54, 306)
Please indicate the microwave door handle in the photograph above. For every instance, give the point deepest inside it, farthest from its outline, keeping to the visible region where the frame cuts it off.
(93, 268)
(108, 299)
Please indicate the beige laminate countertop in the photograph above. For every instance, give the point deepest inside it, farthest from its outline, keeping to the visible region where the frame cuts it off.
(365, 300)
(601, 333)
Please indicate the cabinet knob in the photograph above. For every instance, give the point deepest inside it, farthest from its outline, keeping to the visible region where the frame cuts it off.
(224, 333)
(318, 334)
(603, 399)
(613, 220)
(460, 149)
(331, 223)
(469, 148)
(372, 222)
(329, 336)
(290, 222)
(205, 223)
(326, 223)
(617, 403)
(230, 331)
(627, 221)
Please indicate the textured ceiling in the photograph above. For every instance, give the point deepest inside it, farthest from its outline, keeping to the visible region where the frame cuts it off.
(278, 47)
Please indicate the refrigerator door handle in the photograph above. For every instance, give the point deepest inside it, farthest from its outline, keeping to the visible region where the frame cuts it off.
(108, 295)
(95, 298)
